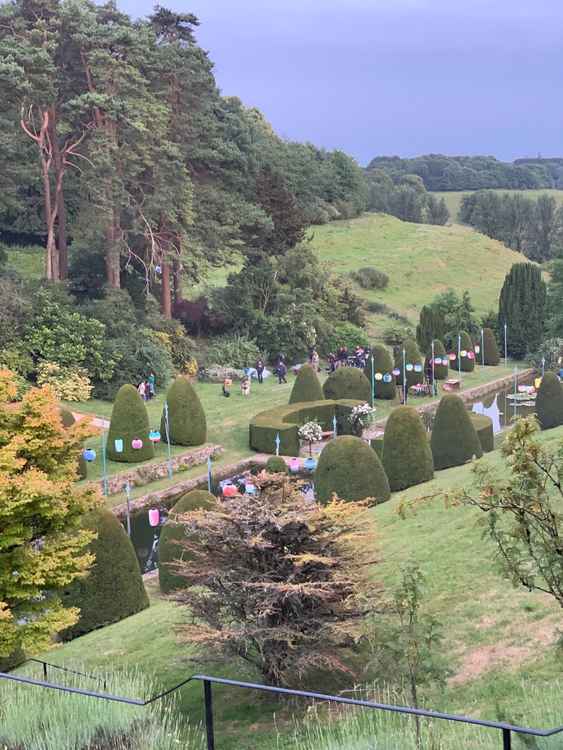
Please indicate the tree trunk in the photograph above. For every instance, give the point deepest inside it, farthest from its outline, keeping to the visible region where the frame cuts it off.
(113, 265)
(60, 169)
(165, 297)
(177, 279)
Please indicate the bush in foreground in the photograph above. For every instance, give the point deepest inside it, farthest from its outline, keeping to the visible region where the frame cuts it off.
(454, 439)
(186, 417)
(549, 402)
(129, 422)
(407, 457)
(114, 587)
(276, 465)
(307, 386)
(347, 383)
(349, 468)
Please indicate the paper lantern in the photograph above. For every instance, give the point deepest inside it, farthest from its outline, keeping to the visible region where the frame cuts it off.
(396, 372)
(89, 455)
(378, 376)
(452, 357)
(463, 353)
(387, 378)
(477, 348)
(229, 490)
(154, 436)
(409, 367)
(158, 269)
(418, 368)
(250, 489)
(294, 465)
(154, 516)
(136, 444)
(470, 355)
(438, 361)
(118, 445)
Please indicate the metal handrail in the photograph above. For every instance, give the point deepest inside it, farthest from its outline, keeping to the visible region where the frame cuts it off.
(208, 680)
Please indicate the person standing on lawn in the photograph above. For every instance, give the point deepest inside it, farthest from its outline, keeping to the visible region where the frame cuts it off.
(282, 372)
(260, 370)
(151, 380)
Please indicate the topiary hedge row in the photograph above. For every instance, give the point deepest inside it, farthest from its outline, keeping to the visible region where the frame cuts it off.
(129, 422)
(490, 353)
(549, 402)
(440, 371)
(186, 418)
(485, 431)
(407, 457)
(346, 383)
(454, 439)
(464, 345)
(307, 386)
(286, 420)
(412, 357)
(382, 364)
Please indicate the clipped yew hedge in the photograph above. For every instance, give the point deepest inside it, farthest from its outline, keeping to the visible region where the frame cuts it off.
(412, 357)
(485, 431)
(454, 439)
(407, 457)
(129, 421)
(276, 465)
(382, 365)
(467, 363)
(490, 348)
(349, 468)
(440, 371)
(347, 383)
(549, 402)
(186, 417)
(307, 386)
(172, 532)
(113, 589)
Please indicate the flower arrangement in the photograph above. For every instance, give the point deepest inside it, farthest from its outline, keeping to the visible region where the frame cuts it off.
(360, 417)
(311, 432)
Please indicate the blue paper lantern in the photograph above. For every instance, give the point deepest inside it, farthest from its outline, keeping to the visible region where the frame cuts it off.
(158, 269)
(418, 368)
(89, 455)
(409, 367)
(387, 378)
(118, 445)
(154, 436)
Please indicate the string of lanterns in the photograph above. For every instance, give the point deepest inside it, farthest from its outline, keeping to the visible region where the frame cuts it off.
(89, 454)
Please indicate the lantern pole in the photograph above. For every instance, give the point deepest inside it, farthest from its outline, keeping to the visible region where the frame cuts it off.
(127, 487)
(372, 381)
(542, 366)
(459, 354)
(335, 426)
(105, 482)
(433, 370)
(482, 347)
(505, 346)
(277, 442)
(167, 423)
(404, 377)
(209, 476)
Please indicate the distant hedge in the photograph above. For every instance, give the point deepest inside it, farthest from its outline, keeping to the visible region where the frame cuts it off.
(349, 468)
(549, 402)
(307, 386)
(490, 348)
(485, 431)
(440, 371)
(407, 457)
(347, 383)
(464, 344)
(454, 439)
(286, 420)
(412, 357)
(186, 417)
(382, 365)
(172, 532)
(114, 586)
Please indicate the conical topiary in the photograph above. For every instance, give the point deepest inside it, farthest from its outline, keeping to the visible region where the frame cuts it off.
(129, 422)
(276, 465)
(454, 439)
(407, 457)
(307, 386)
(413, 363)
(186, 418)
(440, 370)
(172, 532)
(383, 370)
(67, 418)
(347, 382)
(349, 468)
(549, 402)
(464, 344)
(490, 353)
(113, 589)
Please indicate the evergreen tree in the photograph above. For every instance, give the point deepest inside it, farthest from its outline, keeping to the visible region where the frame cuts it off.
(436, 211)
(522, 306)
(431, 326)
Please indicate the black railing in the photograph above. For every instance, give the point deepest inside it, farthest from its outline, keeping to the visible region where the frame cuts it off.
(506, 730)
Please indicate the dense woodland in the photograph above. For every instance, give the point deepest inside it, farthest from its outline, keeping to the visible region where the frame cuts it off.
(439, 172)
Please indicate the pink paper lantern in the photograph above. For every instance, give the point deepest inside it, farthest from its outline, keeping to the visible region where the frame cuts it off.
(154, 516)
(471, 355)
(294, 465)
(230, 490)
(137, 444)
(452, 357)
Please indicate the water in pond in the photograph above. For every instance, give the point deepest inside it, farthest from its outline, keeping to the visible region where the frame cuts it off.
(502, 409)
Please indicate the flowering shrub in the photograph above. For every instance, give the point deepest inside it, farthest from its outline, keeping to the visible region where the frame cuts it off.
(191, 368)
(311, 432)
(69, 383)
(360, 417)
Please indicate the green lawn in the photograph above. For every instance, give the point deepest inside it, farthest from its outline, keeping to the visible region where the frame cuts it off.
(454, 198)
(498, 640)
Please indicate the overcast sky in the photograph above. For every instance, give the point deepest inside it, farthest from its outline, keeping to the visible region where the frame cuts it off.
(398, 77)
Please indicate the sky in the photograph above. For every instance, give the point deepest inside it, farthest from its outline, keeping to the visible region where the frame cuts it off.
(392, 77)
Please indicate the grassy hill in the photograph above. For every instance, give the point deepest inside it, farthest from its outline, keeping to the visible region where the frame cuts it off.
(421, 261)
(453, 199)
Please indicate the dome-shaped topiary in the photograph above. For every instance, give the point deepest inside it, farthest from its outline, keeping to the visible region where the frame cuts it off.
(485, 431)
(490, 352)
(549, 402)
(413, 359)
(440, 370)
(347, 383)
(113, 589)
(349, 468)
(454, 439)
(276, 465)
(186, 418)
(407, 457)
(67, 418)
(307, 386)
(172, 532)
(464, 344)
(129, 422)
(383, 370)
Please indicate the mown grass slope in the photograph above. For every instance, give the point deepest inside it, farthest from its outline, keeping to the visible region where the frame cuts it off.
(453, 198)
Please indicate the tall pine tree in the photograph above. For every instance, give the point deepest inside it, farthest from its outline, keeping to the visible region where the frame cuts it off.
(522, 307)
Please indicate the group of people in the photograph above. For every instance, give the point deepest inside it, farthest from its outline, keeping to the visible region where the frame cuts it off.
(344, 358)
(147, 388)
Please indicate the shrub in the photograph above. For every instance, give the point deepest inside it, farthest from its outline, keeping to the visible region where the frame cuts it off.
(370, 278)
(382, 364)
(17, 360)
(172, 532)
(349, 468)
(396, 334)
(233, 351)
(347, 383)
(546, 356)
(440, 371)
(485, 431)
(114, 587)
(464, 344)
(276, 465)
(129, 421)
(186, 418)
(67, 418)
(549, 402)
(490, 348)
(344, 334)
(407, 456)
(307, 386)
(69, 383)
(454, 439)
(412, 357)
(377, 445)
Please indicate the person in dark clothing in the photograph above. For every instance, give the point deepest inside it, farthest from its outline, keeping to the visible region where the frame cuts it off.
(331, 363)
(260, 370)
(282, 372)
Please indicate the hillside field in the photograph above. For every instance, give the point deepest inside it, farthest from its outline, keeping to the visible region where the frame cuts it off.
(453, 198)
(421, 261)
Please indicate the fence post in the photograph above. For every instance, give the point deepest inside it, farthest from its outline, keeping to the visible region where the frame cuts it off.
(45, 671)
(209, 715)
(506, 739)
